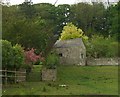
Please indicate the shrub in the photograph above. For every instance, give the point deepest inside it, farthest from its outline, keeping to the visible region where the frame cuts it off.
(113, 50)
(12, 56)
(7, 54)
(19, 57)
(31, 57)
(52, 61)
(98, 46)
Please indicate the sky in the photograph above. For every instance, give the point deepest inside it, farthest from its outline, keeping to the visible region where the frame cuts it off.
(14, 2)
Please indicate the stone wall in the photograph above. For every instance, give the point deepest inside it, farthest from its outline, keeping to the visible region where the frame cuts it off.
(72, 55)
(49, 74)
(103, 61)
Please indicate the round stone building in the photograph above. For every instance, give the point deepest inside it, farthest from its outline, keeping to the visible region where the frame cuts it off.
(71, 52)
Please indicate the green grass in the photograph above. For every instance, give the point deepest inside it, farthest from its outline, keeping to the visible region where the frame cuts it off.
(37, 68)
(90, 79)
(81, 80)
(35, 75)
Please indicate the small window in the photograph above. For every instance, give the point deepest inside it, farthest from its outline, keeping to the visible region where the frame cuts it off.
(82, 56)
(60, 54)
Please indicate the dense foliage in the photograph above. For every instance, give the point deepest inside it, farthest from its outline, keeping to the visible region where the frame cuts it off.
(12, 56)
(18, 56)
(113, 15)
(70, 32)
(31, 57)
(7, 54)
(29, 32)
(99, 46)
(52, 61)
(39, 25)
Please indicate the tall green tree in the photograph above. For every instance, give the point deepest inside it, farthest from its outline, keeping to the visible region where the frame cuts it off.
(30, 33)
(90, 18)
(63, 16)
(27, 9)
(114, 20)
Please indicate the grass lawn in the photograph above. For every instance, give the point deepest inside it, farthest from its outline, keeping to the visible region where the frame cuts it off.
(81, 80)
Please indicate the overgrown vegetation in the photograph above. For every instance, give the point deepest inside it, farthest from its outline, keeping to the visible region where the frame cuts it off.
(12, 59)
(12, 56)
(52, 61)
(99, 46)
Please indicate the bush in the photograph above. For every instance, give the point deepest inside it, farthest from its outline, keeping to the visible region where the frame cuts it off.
(19, 57)
(7, 54)
(113, 50)
(98, 46)
(12, 56)
(52, 61)
(32, 58)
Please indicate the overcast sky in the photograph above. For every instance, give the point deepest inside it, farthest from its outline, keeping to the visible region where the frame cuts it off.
(13, 2)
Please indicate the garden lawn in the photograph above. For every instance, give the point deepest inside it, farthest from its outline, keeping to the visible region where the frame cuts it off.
(80, 80)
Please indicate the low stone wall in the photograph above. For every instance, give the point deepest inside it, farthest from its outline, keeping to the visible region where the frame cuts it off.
(49, 74)
(103, 61)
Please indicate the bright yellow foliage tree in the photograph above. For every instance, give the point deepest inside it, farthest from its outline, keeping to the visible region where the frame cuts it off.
(70, 31)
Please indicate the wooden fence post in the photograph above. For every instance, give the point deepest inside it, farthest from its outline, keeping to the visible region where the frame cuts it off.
(15, 76)
(5, 76)
(18, 75)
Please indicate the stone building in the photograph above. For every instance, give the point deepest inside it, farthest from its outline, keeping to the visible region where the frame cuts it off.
(71, 52)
